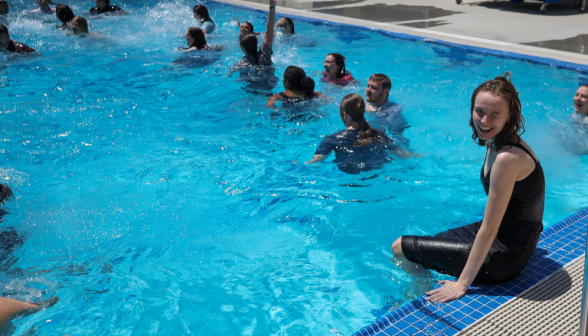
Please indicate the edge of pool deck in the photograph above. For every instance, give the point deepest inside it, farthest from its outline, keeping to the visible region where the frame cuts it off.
(550, 57)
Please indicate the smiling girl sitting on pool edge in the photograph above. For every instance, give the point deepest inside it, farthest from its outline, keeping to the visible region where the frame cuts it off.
(496, 249)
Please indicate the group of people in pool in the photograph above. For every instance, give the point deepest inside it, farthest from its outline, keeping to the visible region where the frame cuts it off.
(493, 250)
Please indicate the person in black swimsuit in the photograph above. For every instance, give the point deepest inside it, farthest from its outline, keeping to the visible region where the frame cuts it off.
(65, 15)
(103, 6)
(496, 249)
(298, 88)
(6, 44)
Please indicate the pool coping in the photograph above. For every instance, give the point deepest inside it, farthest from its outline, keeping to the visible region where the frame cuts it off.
(537, 55)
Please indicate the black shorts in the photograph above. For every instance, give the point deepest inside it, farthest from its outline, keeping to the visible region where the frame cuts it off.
(447, 252)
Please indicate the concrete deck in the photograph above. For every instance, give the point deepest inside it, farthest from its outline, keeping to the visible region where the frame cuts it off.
(561, 33)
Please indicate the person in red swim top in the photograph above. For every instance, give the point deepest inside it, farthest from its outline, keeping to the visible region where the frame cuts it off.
(6, 44)
(335, 71)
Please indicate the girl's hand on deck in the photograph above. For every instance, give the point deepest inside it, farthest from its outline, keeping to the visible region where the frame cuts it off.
(450, 290)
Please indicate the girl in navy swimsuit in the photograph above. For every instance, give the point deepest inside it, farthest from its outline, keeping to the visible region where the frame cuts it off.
(496, 249)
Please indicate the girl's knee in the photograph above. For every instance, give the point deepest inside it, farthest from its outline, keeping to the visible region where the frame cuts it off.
(397, 248)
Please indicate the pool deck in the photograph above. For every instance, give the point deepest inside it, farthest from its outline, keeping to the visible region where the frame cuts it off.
(560, 34)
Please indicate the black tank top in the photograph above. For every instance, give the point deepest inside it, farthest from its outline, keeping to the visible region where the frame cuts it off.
(524, 213)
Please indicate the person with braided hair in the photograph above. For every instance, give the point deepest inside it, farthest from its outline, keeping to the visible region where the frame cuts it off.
(496, 249)
(359, 147)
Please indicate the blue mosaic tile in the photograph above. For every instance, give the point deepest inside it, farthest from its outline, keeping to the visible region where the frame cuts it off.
(559, 244)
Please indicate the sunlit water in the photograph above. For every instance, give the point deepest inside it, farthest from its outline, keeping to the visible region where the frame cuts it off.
(162, 198)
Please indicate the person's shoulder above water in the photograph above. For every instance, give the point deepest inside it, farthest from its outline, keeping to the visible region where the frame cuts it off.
(108, 9)
(19, 48)
(209, 26)
(38, 11)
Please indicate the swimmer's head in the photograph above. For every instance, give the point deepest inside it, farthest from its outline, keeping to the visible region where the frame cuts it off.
(5, 193)
(195, 38)
(352, 108)
(44, 4)
(335, 65)
(64, 13)
(295, 79)
(102, 3)
(581, 100)
(248, 43)
(378, 88)
(286, 26)
(496, 113)
(4, 37)
(201, 13)
(3, 7)
(79, 25)
(246, 28)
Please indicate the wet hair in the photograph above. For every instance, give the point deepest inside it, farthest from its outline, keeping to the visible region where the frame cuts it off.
(502, 87)
(198, 35)
(354, 106)
(3, 29)
(340, 61)
(382, 79)
(64, 13)
(290, 22)
(297, 79)
(5, 193)
(250, 26)
(107, 2)
(202, 12)
(3, 2)
(83, 23)
(583, 85)
(249, 43)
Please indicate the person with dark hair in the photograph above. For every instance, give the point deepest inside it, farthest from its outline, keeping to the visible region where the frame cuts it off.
(43, 8)
(65, 15)
(286, 26)
(195, 39)
(359, 147)
(6, 44)
(387, 114)
(104, 7)
(496, 249)
(245, 28)
(248, 43)
(79, 25)
(4, 7)
(205, 22)
(335, 71)
(581, 104)
(298, 88)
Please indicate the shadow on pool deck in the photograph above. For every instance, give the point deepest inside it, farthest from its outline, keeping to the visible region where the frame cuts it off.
(390, 13)
(563, 8)
(577, 44)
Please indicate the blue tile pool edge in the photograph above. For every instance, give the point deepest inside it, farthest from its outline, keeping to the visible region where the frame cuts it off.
(388, 320)
(478, 50)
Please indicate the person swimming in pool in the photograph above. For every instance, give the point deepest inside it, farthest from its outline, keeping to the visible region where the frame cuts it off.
(496, 249)
(104, 7)
(9, 241)
(195, 39)
(8, 45)
(248, 43)
(335, 72)
(65, 15)
(387, 114)
(298, 88)
(581, 104)
(245, 28)
(79, 25)
(205, 22)
(286, 26)
(4, 9)
(359, 147)
(43, 8)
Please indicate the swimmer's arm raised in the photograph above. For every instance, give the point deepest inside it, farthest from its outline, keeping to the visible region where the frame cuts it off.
(271, 19)
(317, 158)
(504, 173)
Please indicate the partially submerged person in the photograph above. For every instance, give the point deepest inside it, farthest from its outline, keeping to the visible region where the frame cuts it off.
(245, 28)
(104, 7)
(205, 22)
(298, 88)
(248, 43)
(10, 241)
(43, 8)
(8, 45)
(387, 114)
(79, 25)
(4, 9)
(496, 249)
(286, 26)
(65, 15)
(581, 104)
(195, 39)
(359, 147)
(335, 71)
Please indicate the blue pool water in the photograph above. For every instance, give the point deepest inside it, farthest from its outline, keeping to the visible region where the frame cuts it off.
(158, 197)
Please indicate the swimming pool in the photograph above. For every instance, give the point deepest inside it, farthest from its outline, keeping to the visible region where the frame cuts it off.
(160, 198)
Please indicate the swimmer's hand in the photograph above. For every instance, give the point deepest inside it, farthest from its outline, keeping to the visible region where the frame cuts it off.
(317, 158)
(450, 291)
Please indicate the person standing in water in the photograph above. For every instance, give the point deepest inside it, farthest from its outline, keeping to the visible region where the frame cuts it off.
(286, 26)
(581, 104)
(335, 71)
(195, 39)
(79, 25)
(43, 8)
(205, 22)
(387, 114)
(8, 45)
(65, 15)
(248, 43)
(104, 7)
(496, 249)
(298, 87)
